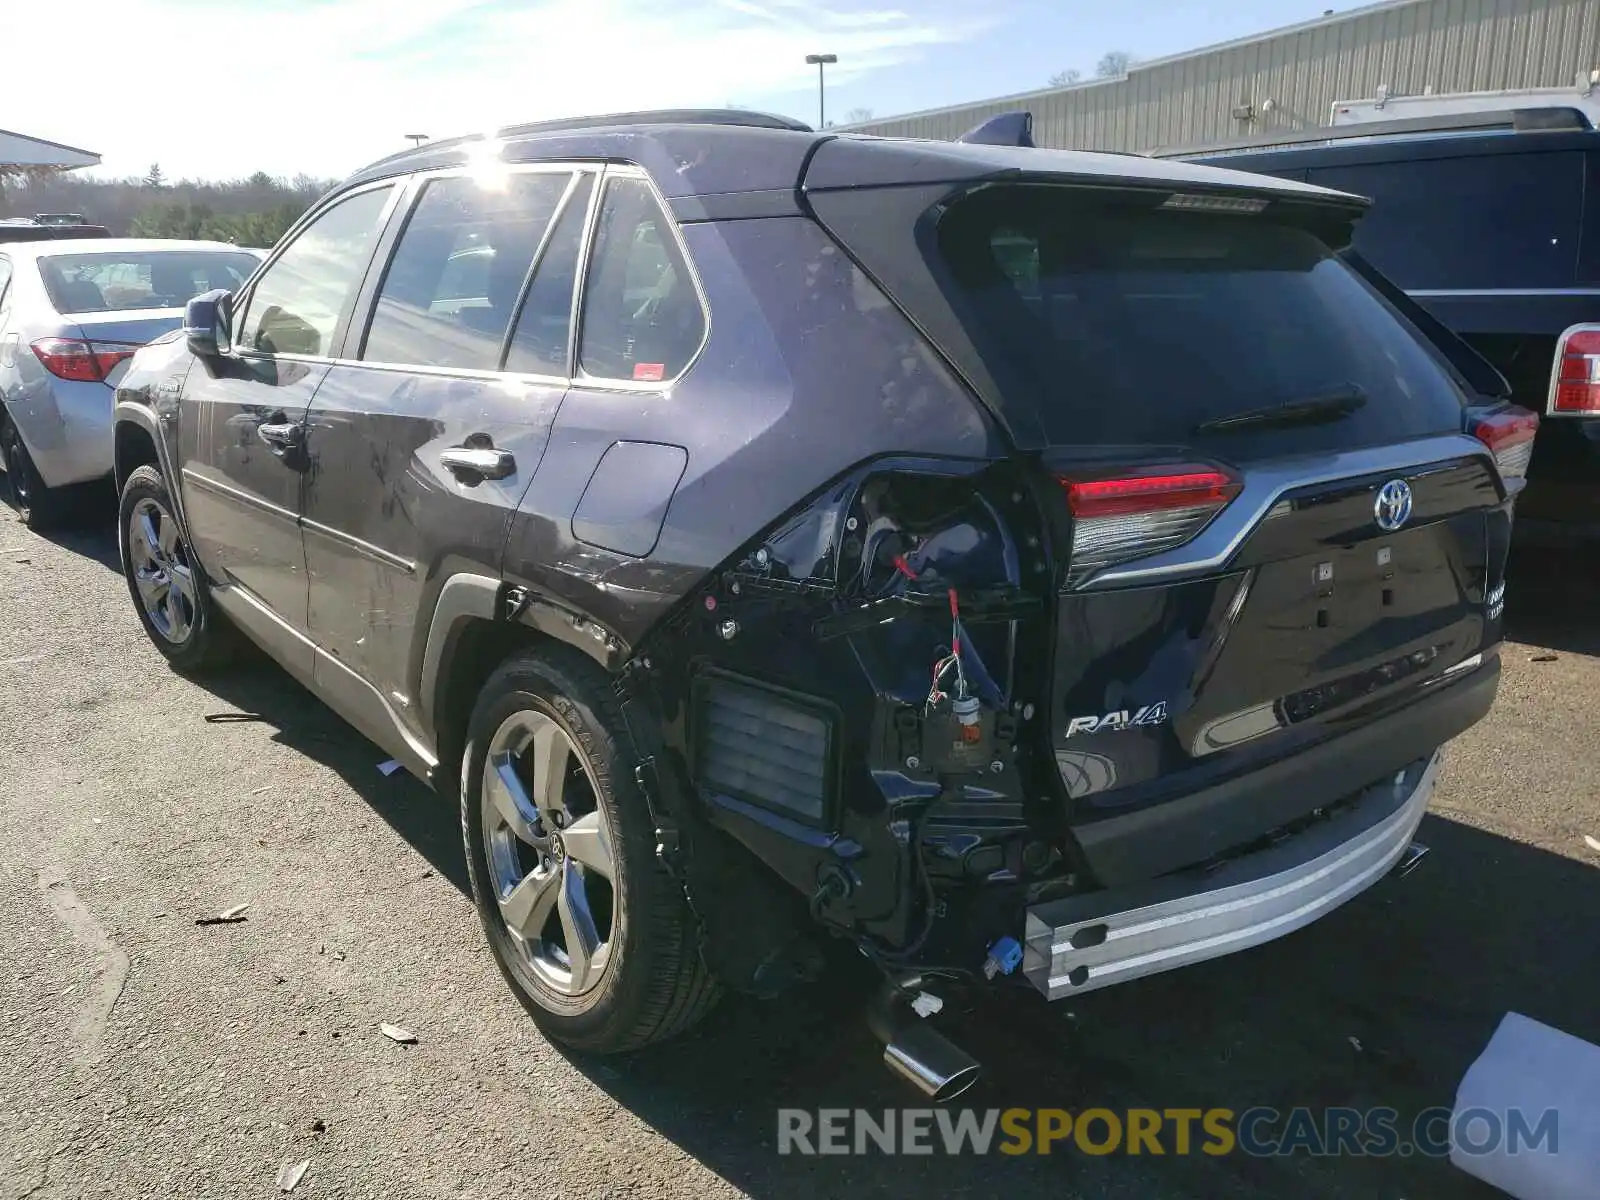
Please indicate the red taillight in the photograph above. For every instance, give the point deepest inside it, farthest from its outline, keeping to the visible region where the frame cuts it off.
(1142, 511)
(84, 362)
(1575, 388)
(1143, 492)
(1509, 436)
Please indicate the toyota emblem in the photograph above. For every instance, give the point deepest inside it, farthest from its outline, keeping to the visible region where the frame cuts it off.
(1392, 508)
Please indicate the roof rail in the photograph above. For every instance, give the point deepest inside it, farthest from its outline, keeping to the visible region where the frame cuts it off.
(1518, 120)
(662, 116)
(665, 116)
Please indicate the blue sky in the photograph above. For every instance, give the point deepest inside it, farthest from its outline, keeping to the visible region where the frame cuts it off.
(212, 89)
(1020, 44)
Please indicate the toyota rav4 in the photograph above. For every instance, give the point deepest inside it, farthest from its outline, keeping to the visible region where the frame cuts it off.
(1022, 564)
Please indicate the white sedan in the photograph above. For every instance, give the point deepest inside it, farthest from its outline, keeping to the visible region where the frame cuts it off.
(71, 312)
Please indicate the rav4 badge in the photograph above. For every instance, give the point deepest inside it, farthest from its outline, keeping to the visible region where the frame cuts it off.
(1116, 722)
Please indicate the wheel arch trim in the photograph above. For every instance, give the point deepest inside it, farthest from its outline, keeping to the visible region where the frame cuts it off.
(126, 412)
(468, 597)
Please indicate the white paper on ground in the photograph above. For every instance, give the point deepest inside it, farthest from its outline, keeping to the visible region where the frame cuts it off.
(1532, 1068)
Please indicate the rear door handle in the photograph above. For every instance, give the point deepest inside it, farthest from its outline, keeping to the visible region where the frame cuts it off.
(473, 463)
(281, 434)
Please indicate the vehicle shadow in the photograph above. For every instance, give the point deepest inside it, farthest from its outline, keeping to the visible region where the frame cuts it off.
(257, 689)
(1383, 1003)
(1553, 599)
(90, 527)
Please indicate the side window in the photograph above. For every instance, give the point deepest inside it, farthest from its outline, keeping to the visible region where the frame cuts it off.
(5, 283)
(450, 289)
(539, 346)
(1495, 221)
(641, 314)
(295, 305)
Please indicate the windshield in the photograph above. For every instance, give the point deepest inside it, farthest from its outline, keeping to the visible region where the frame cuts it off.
(1133, 324)
(139, 279)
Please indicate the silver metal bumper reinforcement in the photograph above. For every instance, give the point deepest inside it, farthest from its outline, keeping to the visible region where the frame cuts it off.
(1082, 943)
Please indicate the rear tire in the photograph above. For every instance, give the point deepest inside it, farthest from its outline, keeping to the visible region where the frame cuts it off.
(166, 583)
(39, 506)
(547, 722)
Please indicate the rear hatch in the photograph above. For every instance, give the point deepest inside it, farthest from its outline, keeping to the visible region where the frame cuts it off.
(1270, 529)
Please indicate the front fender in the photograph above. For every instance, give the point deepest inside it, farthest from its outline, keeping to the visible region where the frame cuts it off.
(149, 397)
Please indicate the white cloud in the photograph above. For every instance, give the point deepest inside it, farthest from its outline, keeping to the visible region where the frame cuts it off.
(323, 86)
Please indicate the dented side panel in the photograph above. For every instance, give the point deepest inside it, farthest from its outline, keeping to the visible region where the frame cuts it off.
(762, 419)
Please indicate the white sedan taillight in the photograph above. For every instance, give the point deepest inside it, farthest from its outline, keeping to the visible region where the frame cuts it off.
(1133, 513)
(78, 360)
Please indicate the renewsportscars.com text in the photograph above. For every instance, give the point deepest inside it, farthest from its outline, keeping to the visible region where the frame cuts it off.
(1259, 1132)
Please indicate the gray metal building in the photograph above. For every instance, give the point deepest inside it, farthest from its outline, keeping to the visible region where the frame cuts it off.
(1289, 78)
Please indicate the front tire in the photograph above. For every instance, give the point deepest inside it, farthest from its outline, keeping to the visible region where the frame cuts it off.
(39, 506)
(166, 583)
(586, 925)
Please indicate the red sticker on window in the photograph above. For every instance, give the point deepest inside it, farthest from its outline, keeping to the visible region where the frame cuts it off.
(649, 372)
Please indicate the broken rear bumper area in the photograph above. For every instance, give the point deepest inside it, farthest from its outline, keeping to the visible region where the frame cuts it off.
(1212, 821)
(1092, 941)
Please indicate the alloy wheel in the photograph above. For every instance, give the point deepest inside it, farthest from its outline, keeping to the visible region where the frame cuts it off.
(549, 853)
(162, 572)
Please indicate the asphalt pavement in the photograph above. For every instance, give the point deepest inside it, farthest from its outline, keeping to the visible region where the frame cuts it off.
(145, 1055)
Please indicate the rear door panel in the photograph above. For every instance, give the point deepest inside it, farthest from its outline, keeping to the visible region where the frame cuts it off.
(386, 522)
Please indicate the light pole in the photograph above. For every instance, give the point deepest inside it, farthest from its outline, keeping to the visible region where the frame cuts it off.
(416, 139)
(820, 61)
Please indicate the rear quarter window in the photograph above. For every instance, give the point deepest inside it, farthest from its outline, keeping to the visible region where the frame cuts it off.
(1488, 221)
(642, 319)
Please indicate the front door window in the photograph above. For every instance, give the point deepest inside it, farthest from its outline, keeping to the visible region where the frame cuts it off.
(296, 304)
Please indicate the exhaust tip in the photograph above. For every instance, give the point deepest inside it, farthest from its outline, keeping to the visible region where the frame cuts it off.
(931, 1063)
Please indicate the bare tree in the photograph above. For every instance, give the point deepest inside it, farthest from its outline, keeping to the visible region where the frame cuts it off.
(1113, 63)
(857, 115)
(1064, 78)
(253, 211)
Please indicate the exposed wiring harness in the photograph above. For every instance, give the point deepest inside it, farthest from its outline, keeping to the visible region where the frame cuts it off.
(950, 662)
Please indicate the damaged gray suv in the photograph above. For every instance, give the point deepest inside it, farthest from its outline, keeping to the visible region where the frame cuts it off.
(1010, 562)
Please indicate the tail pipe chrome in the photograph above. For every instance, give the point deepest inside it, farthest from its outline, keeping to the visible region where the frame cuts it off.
(914, 1050)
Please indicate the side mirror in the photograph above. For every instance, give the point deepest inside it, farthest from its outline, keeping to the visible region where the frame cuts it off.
(207, 323)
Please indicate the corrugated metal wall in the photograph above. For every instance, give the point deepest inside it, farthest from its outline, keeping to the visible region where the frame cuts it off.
(1407, 45)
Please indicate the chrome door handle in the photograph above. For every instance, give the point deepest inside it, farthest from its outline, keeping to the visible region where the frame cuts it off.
(478, 462)
(281, 436)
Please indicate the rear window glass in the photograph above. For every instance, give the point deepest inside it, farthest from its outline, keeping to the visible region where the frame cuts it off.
(1134, 325)
(1494, 221)
(134, 279)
